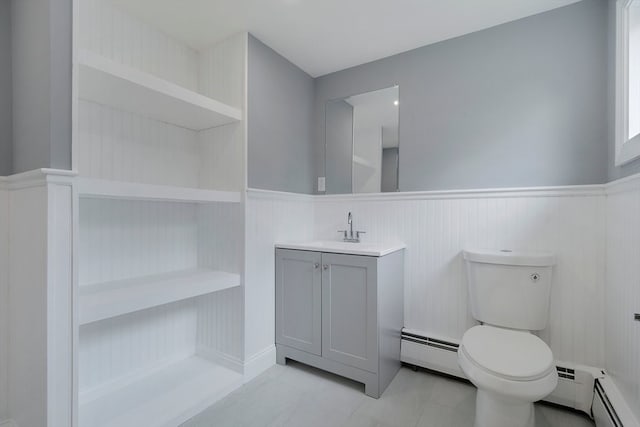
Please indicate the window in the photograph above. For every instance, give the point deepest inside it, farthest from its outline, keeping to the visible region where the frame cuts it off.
(627, 81)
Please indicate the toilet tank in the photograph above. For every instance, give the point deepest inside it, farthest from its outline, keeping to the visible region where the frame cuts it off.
(508, 288)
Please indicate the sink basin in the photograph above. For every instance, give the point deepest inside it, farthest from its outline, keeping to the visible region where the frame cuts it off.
(339, 247)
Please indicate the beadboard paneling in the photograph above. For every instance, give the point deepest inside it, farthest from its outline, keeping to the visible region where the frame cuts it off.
(4, 297)
(221, 70)
(222, 157)
(121, 239)
(437, 229)
(271, 217)
(220, 246)
(622, 292)
(222, 76)
(128, 345)
(220, 325)
(122, 146)
(115, 34)
(220, 229)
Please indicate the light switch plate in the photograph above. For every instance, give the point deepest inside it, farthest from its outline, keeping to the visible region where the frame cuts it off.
(321, 183)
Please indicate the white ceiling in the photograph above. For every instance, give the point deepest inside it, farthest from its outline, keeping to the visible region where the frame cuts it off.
(323, 36)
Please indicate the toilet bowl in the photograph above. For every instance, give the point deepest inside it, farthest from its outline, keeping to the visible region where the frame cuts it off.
(511, 369)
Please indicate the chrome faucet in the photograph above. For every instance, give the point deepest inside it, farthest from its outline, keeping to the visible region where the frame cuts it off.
(349, 234)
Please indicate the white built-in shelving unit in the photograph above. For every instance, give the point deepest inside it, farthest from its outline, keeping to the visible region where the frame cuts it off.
(106, 82)
(105, 189)
(160, 151)
(110, 299)
(166, 398)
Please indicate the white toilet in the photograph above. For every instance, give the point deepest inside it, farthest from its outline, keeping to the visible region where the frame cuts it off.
(509, 294)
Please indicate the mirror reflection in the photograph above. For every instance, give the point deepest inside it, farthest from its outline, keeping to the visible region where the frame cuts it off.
(362, 143)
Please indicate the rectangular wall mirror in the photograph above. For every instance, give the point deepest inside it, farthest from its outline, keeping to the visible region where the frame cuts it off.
(362, 142)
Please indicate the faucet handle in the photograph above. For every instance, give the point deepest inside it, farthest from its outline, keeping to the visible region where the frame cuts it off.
(358, 233)
(344, 232)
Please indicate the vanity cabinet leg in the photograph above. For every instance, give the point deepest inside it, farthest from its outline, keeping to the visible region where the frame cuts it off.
(280, 358)
(371, 389)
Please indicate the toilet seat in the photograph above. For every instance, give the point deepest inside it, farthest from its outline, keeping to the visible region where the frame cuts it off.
(508, 354)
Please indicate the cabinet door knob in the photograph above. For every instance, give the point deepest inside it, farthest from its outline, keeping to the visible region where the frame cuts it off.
(316, 265)
(325, 267)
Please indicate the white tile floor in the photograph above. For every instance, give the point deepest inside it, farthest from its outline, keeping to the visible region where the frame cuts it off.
(300, 396)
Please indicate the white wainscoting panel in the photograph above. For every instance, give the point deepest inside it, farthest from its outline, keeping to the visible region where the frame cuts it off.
(271, 217)
(4, 299)
(40, 298)
(622, 291)
(437, 226)
(117, 35)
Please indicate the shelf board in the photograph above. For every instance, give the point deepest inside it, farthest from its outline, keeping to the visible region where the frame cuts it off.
(105, 189)
(167, 398)
(110, 299)
(109, 83)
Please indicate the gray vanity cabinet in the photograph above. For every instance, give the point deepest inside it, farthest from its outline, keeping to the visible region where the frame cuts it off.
(298, 304)
(342, 313)
(349, 301)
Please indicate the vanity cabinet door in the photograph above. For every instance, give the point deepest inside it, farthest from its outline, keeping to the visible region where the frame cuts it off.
(349, 313)
(298, 300)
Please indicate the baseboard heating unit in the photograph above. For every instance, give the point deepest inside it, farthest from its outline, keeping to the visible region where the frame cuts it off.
(609, 408)
(575, 382)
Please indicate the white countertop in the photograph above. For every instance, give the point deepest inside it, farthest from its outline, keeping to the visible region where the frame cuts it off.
(340, 247)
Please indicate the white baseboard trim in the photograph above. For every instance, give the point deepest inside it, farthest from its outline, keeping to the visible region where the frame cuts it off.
(259, 362)
(222, 359)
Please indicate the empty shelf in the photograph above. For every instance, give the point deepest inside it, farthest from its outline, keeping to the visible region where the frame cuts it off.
(105, 189)
(167, 398)
(110, 83)
(111, 299)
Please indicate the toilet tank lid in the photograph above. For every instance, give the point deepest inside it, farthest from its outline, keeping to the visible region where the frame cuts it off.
(510, 257)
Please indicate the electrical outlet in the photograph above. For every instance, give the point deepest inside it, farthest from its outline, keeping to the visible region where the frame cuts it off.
(321, 183)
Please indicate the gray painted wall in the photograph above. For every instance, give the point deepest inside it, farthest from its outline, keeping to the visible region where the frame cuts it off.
(339, 147)
(41, 64)
(280, 120)
(5, 88)
(520, 104)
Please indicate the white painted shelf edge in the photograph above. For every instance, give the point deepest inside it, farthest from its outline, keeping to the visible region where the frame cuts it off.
(105, 189)
(166, 398)
(110, 83)
(110, 299)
